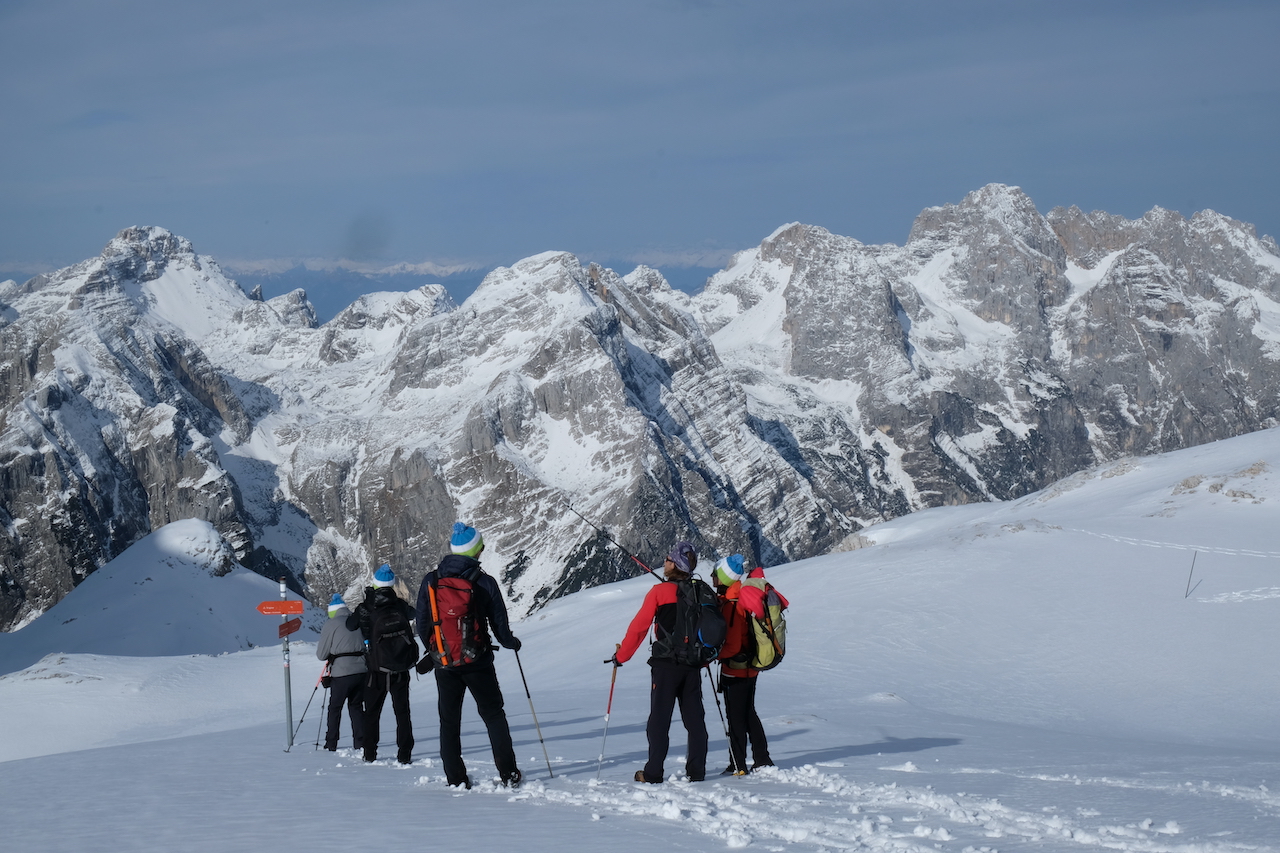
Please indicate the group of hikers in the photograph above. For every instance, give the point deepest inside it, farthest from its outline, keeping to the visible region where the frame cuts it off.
(370, 651)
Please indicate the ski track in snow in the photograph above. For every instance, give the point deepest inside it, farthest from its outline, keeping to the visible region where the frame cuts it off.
(1153, 543)
(796, 806)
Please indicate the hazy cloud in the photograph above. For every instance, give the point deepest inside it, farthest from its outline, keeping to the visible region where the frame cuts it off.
(496, 130)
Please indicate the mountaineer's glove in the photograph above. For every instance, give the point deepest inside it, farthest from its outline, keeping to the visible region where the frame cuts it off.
(424, 665)
(515, 644)
(614, 660)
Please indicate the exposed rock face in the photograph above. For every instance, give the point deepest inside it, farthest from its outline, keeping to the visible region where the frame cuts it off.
(818, 385)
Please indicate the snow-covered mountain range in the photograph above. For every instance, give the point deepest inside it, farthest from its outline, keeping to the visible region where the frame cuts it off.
(815, 387)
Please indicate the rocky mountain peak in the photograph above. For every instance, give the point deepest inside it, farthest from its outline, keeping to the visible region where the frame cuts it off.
(995, 214)
(141, 253)
(294, 309)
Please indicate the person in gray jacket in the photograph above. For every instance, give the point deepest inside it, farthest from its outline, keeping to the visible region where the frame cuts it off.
(344, 650)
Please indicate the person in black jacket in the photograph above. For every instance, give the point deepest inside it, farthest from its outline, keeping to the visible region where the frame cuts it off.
(379, 684)
(462, 652)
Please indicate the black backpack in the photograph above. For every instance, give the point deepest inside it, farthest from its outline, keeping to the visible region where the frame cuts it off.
(392, 647)
(699, 629)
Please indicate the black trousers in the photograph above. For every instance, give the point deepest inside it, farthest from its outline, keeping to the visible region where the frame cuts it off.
(672, 683)
(376, 687)
(452, 685)
(346, 690)
(744, 723)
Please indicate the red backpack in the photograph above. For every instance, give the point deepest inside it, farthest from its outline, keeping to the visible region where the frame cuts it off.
(457, 636)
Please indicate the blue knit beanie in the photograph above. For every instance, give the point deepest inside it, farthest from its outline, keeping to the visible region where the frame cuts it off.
(334, 604)
(384, 576)
(466, 541)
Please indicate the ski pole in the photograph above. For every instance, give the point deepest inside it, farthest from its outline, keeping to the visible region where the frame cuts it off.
(323, 704)
(535, 716)
(723, 722)
(304, 710)
(608, 708)
(603, 533)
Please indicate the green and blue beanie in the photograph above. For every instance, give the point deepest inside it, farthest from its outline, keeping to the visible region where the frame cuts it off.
(465, 540)
(729, 570)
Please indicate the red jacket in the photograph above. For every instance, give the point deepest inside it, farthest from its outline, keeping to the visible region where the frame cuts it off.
(659, 596)
(738, 601)
(737, 632)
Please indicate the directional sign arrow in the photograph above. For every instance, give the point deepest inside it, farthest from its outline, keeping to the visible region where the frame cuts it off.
(280, 608)
(287, 628)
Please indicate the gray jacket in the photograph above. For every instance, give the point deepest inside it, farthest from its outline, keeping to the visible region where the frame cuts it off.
(336, 639)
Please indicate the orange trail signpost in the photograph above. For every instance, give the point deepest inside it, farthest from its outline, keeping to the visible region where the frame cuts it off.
(285, 609)
(280, 608)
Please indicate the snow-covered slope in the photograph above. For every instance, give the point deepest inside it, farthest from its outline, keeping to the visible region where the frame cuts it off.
(1033, 675)
(178, 591)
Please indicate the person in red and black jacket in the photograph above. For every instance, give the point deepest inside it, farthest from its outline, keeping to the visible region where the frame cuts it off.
(671, 682)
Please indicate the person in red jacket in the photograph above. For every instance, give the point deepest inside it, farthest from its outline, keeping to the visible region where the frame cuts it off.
(671, 682)
(737, 679)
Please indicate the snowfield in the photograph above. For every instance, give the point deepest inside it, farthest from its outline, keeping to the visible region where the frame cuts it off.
(1047, 674)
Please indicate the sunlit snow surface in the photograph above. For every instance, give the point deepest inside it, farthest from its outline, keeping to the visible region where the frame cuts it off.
(1049, 674)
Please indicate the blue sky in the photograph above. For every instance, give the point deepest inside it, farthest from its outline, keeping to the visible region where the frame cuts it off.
(668, 132)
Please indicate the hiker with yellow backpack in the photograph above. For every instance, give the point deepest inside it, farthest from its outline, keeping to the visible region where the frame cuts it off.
(755, 641)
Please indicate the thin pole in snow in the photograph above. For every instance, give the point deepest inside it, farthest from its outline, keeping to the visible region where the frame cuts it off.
(535, 716)
(715, 694)
(1190, 588)
(613, 679)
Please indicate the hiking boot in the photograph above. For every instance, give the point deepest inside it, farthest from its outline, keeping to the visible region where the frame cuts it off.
(465, 782)
(759, 764)
(512, 779)
(640, 777)
(404, 758)
(732, 770)
(370, 757)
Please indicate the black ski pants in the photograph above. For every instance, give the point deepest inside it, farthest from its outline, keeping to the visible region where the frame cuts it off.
(346, 690)
(452, 685)
(376, 687)
(672, 683)
(744, 723)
